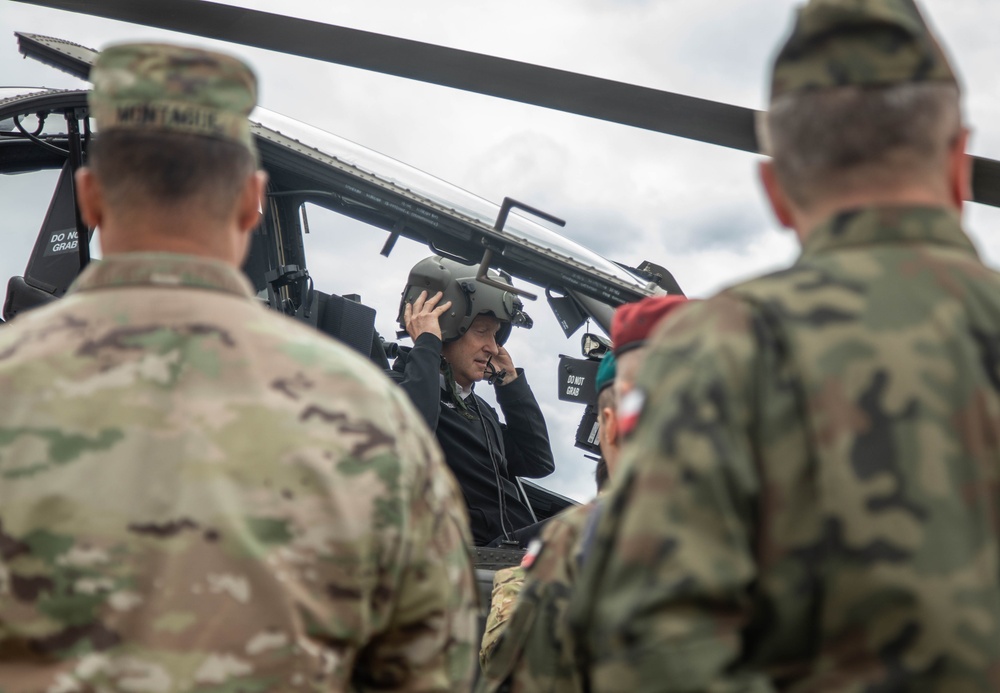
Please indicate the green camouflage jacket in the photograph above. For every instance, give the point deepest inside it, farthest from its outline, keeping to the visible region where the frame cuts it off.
(198, 494)
(537, 651)
(810, 501)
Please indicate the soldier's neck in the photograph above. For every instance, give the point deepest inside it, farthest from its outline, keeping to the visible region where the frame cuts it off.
(804, 221)
(197, 237)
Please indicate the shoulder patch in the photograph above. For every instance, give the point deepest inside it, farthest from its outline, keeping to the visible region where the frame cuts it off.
(629, 410)
(534, 550)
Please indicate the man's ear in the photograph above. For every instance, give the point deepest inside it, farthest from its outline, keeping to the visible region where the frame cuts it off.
(89, 197)
(776, 194)
(960, 170)
(250, 208)
(609, 424)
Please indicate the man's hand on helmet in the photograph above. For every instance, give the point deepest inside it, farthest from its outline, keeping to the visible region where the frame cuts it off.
(503, 362)
(423, 315)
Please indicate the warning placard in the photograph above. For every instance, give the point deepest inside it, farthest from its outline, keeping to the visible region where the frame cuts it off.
(576, 379)
(61, 241)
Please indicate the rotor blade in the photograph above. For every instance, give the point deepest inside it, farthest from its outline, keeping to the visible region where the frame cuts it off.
(986, 181)
(618, 102)
(659, 111)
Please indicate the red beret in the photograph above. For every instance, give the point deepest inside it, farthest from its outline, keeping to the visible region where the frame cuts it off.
(634, 322)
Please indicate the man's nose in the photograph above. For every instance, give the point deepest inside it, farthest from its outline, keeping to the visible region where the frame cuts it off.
(491, 346)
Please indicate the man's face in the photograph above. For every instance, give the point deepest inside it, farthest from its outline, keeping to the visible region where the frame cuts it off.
(469, 354)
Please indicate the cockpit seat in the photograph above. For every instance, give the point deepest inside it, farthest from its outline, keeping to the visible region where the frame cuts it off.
(347, 319)
(22, 296)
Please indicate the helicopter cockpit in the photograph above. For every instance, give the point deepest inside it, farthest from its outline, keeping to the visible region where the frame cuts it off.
(44, 129)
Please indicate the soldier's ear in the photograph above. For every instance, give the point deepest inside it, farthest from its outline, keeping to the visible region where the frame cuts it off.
(89, 197)
(251, 203)
(609, 424)
(960, 170)
(780, 203)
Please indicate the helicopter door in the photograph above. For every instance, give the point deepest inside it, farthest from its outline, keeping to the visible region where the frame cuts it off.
(55, 259)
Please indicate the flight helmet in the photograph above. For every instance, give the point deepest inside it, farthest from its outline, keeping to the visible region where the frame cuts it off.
(468, 297)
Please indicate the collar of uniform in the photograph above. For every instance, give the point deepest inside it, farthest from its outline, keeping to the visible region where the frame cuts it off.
(162, 270)
(872, 225)
(463, 392)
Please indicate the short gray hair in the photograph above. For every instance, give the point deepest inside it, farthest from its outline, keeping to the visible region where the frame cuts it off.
(139, 168)
(850, 138)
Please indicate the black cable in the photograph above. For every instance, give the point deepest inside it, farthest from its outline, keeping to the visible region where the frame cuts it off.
(34, 138)
(42, 117)
(501, 498)
(495, 376)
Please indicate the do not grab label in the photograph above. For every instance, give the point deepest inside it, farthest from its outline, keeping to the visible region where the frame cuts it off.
(573, 385)
(63, 241)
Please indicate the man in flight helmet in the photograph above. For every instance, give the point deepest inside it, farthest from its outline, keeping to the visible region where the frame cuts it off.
(459, 326)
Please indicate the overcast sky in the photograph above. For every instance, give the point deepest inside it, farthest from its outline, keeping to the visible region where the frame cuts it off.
(628, 194)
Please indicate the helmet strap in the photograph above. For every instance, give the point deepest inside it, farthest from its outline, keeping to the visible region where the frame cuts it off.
(452, 387)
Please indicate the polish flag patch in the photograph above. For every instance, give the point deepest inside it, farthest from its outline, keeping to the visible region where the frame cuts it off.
(629, 410)
(534, 548)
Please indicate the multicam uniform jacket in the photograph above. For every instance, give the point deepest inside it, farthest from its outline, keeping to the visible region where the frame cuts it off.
(197, 494)
(536, 651)
(811, 499)
(507, 584)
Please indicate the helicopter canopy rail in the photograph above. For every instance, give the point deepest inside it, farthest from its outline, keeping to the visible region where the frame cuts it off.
(434, 211)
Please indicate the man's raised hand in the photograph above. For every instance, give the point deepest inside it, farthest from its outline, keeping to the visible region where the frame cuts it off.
(503, 362)
(424, 315)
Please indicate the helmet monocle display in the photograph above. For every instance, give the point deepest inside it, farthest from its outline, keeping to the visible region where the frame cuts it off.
(468, 297)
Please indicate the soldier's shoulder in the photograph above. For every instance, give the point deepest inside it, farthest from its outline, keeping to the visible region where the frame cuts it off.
(550, 556)
(332, 395)
(704, 326)
(746, 309)
(309, 348)
(570, 521)
(767, 287)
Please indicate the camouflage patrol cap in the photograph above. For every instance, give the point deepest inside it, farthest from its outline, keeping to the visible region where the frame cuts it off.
(161, 87)
(868, 43)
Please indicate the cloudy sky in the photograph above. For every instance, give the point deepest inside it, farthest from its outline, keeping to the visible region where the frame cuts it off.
(626, 193)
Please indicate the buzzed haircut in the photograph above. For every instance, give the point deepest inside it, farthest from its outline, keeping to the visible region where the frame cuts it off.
(166, 168)
(606, 400)
(848, 139)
